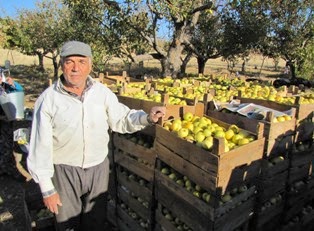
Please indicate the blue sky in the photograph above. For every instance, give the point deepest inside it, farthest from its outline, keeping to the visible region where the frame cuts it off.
(9, 7)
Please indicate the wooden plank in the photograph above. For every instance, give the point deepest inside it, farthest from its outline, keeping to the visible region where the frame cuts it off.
(205, 179)
(185, 212)
(139, 190)
(134, 166)
(136, 150)
(135, 205)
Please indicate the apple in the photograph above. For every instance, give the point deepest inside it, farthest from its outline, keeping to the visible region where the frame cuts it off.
(180, 182)
(199, 137)
(208, 143)
(173, 176)
(219, 134)
(206, 197)
(225, 198)
(183, 132)
(165, 171)
(198, 188)
(243, 188)
(243, 141)
(207, 132)
(229, 134)
(176, 125)
(197, 194)
(188, 116)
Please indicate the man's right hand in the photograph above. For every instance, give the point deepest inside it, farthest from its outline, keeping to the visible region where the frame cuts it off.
(52, 202)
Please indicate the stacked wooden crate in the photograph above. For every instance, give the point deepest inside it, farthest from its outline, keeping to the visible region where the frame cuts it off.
(300, 187)
(221, 184)
(271, 183)
(134, 161)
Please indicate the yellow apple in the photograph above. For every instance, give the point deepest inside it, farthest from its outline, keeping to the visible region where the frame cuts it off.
(199, 137)
(229, 134)
(188, 116)
(183, 132)
(176, 125)
(207, 143)
(219, 134)
(243, 141)
(207, 132)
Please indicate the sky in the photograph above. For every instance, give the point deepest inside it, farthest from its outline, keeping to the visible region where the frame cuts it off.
(9, 7)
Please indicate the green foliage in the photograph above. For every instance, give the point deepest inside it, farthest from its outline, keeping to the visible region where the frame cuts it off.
(306, 69)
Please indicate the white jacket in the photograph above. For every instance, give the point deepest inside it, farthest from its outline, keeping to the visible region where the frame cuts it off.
(66, 130)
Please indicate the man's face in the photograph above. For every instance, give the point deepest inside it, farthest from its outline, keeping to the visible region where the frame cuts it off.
(75, 70)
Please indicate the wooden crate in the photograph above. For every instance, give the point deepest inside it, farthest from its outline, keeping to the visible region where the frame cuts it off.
(135, 157)
(198, 214)
(272, 180)
(305, 129)
(300, 164)
(136, 194)
(279, 137)
(215, 171)
(299, 195)
(138, 190)
(172, 111)
(125, 222)
(301, 110)
(267, 218)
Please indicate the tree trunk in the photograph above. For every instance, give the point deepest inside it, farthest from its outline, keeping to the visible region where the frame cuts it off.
(185, 63)
(41, 61)
(172, 63)
(292, 69)
(55, 68)
(201, 65)
(243, 67)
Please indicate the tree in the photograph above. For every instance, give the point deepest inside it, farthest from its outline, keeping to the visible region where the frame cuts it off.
(244, 29)
(207, 42)
(40, 32)
(99, 24)
(289, 26)
(142, 19)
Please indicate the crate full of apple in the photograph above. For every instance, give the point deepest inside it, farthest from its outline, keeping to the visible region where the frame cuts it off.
(216, 154)
(135, 152)
(279, 131)
(196, 207)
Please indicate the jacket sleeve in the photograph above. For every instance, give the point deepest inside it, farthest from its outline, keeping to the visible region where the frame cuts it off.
(122, 119)
(39, 160)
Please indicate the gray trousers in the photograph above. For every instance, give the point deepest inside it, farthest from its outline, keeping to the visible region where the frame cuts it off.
(83, 196)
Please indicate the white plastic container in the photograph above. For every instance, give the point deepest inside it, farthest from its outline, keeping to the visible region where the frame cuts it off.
(13, 105)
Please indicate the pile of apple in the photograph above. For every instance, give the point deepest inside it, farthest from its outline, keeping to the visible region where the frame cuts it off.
(180, 225)
(275, 200)
(139, 138)
(142, 222)
(135, 178)
(202, 131)
(197, 190)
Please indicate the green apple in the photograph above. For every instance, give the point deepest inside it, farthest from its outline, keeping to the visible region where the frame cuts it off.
(207, 132)
(173, 176)
(225, 198)
(199, 137)
(219, 134)
(208, 143)
(206, 197)
(165, 171)
(183, 132)
(188, 116)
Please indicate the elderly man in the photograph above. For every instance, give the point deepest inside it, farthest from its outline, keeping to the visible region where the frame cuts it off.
(69, 140)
